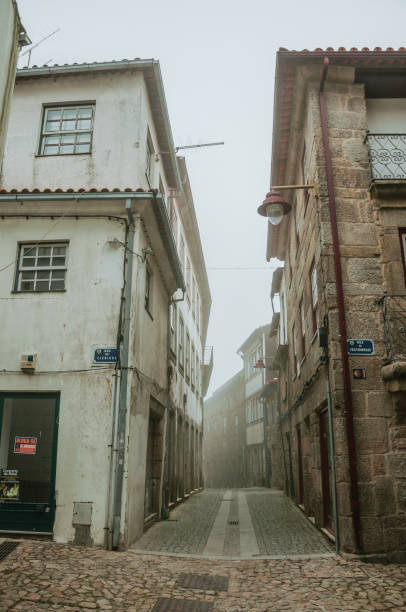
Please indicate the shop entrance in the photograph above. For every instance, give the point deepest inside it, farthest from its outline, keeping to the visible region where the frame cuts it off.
(28, 446)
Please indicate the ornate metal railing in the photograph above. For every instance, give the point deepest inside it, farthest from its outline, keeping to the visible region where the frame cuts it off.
(394, 316)
(387, 153)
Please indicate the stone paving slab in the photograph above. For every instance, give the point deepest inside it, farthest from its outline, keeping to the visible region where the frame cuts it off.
(48, 576)
(281, 528)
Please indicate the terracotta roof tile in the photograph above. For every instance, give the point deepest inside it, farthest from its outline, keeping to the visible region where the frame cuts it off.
(79, 190)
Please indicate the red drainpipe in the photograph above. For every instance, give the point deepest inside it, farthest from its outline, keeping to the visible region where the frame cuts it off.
(341, 316)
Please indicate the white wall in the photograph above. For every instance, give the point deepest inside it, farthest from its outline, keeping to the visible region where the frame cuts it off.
(118, 155)
(386, 115)
(255, 433)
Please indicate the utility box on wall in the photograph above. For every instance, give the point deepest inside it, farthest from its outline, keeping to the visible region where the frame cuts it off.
(82, 513)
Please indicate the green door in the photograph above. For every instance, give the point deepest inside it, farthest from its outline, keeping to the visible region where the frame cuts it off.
(28, 446)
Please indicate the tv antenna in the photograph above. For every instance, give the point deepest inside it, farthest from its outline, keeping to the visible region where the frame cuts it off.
(29, 51)
(197, 146)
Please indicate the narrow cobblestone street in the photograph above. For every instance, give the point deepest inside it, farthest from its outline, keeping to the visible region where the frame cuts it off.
(40, 575)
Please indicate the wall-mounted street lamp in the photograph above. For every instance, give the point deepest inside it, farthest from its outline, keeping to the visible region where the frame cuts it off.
(274, 206)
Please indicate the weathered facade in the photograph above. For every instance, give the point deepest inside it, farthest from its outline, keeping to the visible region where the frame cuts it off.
(253, 352)
(12, 37)
(224, 435)
(339, 125)
(86, 391)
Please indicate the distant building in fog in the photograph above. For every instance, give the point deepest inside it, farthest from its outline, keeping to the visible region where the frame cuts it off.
(224, 435)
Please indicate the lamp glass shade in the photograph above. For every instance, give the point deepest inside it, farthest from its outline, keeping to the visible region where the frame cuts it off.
(274, 212)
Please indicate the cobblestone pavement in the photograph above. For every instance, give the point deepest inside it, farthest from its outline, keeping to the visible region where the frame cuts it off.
(47, 576)
(270, 526)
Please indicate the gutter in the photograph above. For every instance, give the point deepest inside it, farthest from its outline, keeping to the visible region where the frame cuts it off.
(348, 411)
(156, 201)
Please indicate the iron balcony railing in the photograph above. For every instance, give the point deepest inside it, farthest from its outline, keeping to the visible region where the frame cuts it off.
(394, 316)
(387, 154)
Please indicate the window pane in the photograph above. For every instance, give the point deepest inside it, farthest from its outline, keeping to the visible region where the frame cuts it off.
(58, 261)
(27, 275)
(85, 137)
(84, 124)
(57, 285)
(52, 140)
(43, 261)
(69, 113)
(29, 250)
(68, 126)
(58, 274)
(68, 139)
(85, 113)
(52, 126)
(42, 274)
(53, 114)
(50, 150)
(28, 262)
(59, 250)
(42, 286)
(83, 148)
(27, 286)
(66, 149)
(44, 250)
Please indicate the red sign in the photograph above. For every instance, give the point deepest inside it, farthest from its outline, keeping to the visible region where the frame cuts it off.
(26, 445)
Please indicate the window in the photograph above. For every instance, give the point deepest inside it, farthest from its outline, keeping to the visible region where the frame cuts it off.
(149, 151)
(192, 367)
(193, 297)
(42, 267)
(197, 375)
(197, 310)
(302, 329)
(224, 425)
(181, 342)
(315, 297)
(236, 423)
(182, 252)
(174, 223)
(67, 130)
(172, 317)
(148, 289)
(295, 363)
(187, 356)
(402, 236)
(188, 280)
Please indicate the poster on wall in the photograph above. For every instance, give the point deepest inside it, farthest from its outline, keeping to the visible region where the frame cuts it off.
(25, 445)
(9, 485)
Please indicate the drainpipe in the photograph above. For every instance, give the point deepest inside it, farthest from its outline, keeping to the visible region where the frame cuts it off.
(122, 412)
(341, 315)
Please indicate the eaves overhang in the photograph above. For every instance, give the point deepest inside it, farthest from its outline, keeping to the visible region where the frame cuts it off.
(149, 205)
(153, 80)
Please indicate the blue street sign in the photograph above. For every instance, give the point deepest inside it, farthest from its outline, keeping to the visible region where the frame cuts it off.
(105, 355)
(360, 346)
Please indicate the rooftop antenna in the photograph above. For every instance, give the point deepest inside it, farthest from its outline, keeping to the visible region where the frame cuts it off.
(29, 51)
(197, 146)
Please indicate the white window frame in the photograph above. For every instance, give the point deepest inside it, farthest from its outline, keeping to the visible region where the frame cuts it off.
(74, 136)
(30, 253)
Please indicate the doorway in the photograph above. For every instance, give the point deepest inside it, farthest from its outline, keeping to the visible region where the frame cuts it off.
(28, 449)
(300, 464)
(326, 471)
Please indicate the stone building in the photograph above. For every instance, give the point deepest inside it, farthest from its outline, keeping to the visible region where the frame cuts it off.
(100, 244)
(339, 126)
(224, 435)
(254, 352)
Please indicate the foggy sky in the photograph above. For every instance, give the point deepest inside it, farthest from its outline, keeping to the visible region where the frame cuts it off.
(217, 60)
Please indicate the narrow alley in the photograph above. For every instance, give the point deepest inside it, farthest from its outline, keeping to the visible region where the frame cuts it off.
(231, 550)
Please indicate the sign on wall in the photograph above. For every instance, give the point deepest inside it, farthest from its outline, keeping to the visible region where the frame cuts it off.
(25, 445)
(360, 346)
(9, 485)
(105, 355)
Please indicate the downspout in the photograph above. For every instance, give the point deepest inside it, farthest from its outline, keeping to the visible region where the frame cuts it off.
(122, 412)
(341, 315)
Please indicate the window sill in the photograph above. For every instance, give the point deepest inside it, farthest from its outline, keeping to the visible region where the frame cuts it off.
(15, 291)
(62, 154)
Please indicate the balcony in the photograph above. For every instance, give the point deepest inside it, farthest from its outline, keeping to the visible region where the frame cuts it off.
(387, 154)
(207, 368)
(394, 317)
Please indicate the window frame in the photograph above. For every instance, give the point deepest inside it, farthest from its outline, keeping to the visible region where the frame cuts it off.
(46, 134)
(181, 343)
(314, 295)
(36, 245)
(173, 315)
